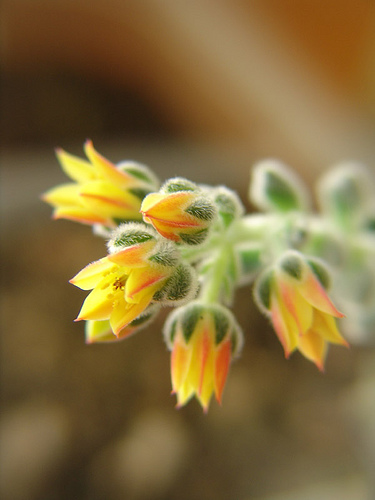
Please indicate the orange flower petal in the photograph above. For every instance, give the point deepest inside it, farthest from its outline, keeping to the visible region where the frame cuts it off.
(134, 256)
(169, 209)
(312, 290)
(142, 281)
(222, 364)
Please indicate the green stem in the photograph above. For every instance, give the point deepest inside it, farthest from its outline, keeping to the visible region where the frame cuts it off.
(213, 282)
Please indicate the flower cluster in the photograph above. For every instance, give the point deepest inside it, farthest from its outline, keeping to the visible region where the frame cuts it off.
(190, 247)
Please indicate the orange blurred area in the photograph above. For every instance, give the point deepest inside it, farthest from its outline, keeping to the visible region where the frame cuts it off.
(202, 90)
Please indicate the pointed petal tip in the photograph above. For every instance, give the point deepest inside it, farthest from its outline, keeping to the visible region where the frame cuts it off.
(205, 409)
(219, 399)
(320, 367)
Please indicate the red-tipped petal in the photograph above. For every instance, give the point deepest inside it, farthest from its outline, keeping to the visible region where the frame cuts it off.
(222, 363)
(312, 290)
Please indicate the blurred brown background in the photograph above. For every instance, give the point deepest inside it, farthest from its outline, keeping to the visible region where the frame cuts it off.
(201, 89)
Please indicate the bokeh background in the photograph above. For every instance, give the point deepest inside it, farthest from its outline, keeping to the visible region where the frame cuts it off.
(201, 89)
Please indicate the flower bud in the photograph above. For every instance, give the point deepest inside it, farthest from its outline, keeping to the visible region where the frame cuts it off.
(292, 293)
(179, 212)
(346, 195)
(228, 204)
(274, 188)
(203, 339)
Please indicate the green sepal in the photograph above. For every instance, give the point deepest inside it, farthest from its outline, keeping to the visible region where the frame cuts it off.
(180, 287)
(194, 238)
(178, 184)
(293, 265)
(129, 234)
(275, 188)
(202, 209)
(228, 205)
(139, 192)
(189, 321)
(345, 195)
(320, 271)
(221, 325)
(166, 255)
(141, 173)
(262, 290)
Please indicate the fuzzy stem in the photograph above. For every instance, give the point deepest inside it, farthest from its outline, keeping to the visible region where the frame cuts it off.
(212, 285)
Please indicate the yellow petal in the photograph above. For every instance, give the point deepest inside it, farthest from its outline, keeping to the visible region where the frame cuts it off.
(77, 169)
(64, 194)
(82, 215)
(109, 201)
(204, 396)
(284, 324)
(185, 393)
(150, 201)
(106, 169)
(180, 363)
(99, 331)
(325, 325)
(93, 273)
(297, 305)
(313, 347)
(206, 383)
(99, 303)
(124, 313)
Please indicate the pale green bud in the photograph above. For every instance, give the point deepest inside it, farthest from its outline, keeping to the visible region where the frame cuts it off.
(274, 188)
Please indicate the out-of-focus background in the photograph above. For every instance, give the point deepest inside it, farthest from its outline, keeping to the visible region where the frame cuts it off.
(201, 89)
